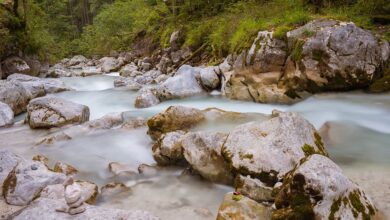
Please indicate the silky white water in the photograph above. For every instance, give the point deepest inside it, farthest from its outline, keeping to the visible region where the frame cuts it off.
(355, 127)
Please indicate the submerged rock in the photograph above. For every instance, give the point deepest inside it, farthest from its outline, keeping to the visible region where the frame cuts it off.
(318, 189)
(203, 152)
(168, 149)
(120, 169)
(173, 119)
(47, 112)
(244, 208)
(268, 150)
(6, 115)
(64, 168)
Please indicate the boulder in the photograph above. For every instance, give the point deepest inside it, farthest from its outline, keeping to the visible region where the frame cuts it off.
(331, 55)
(146, 98)
(172, 119)
(30, 82)
(129, 70)
(318, 189)
(202, 150)
(267, 150)
(6, 115)
(46, 209)
(209, 77)
(110, 64)
(91, 71)
(253, 188)
(14, 65)
(242, 208)
(76, 60)
(15, 95)
(168, 148)
(48, 111)
(25, 179)
(128, 82)
(183, 84)
(256, 72)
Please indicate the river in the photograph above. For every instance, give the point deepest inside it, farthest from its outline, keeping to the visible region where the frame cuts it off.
(355, 127)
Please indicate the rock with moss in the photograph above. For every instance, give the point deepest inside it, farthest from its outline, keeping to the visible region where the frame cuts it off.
(202, 150)
(6, 115)
(8, 162)
(26, 179)
(168, 148)
(332, 55)
(257, 72)
(243, 208)
(318, 189)
(49, 111)
(110, 64)
(13, 65)
(253, 188)
(268, 149)
(172, 119)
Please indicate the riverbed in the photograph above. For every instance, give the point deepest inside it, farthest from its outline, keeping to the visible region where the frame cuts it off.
(355, 127)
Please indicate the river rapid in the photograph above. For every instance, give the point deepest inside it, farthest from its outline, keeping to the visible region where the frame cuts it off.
(355, 127)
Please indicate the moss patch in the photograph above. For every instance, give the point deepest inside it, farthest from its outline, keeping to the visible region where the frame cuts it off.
(308, 150)
(320, 144)
(297, 50)
(334, 208)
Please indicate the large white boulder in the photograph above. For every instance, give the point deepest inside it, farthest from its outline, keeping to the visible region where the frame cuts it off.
(15, 95)
(268, 149)
(48, 111)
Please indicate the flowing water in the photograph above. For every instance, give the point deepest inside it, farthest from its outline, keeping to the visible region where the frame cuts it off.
(355, 126)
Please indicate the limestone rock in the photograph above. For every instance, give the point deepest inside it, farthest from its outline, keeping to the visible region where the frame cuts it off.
(146, 98)
(120, 169)
(15, 95)
(323, 191)
(168, 149)
(26, 180)
(6, 115)
(64, 168)
(173, 119)
(47, 112)
(332, 55)
(8, 162)
(269, 149)
(245, 208)
(14, 65)
(129, 70)
(113, 189)
(34, 83)
(46, 209)
(110, 64)
(253, 188)
(209, 77)
(202, 150)
(88, 192)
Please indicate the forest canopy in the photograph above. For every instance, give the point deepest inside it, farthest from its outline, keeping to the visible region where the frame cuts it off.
(54, 29)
